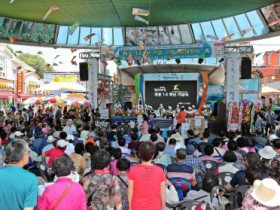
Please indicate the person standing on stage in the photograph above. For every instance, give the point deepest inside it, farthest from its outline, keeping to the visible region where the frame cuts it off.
(181, 118)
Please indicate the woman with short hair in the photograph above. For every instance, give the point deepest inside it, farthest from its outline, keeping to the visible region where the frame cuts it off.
(64, 194)
(146, 182)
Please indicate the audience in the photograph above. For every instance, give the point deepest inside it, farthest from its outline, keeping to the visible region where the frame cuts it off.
(162, 157)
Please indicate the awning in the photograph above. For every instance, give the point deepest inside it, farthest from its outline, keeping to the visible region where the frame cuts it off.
(24, 96)
(7, 95)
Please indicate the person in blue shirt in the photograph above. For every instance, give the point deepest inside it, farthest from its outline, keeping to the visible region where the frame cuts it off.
(18, 187)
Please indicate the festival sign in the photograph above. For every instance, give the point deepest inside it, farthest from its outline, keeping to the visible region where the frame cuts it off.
(20, 86)
(32, 86)
(193, 50)
(54, 77)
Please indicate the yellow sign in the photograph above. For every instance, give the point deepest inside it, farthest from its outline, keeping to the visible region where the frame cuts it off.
(33, 86)
(65, 78)
(3, 85)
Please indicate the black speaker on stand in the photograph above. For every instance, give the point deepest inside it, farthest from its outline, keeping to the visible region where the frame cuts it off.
(246, 68)
(83, 71)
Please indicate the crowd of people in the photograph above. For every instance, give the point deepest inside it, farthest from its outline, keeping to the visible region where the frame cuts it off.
(47, 164)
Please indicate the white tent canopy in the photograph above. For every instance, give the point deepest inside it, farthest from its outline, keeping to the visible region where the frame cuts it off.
(269, 90)
(68, 86)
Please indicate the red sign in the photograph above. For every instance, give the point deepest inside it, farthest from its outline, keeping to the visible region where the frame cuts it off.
(20, 86)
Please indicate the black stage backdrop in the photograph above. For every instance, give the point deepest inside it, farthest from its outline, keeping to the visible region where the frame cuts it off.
(170, 93)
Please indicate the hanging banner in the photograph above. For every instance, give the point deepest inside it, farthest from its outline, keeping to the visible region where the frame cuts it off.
(92, 82)
(194, 50)
(58, 77)
(20, 86)
(233, 64)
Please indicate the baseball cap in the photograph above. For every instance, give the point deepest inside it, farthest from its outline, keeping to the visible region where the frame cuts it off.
(190, 149)
(61, 143)
(18, 133)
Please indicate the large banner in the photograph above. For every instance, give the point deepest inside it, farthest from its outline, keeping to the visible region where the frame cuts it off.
(233, 64)
(55, 77)
(92, 82)
(193, 50)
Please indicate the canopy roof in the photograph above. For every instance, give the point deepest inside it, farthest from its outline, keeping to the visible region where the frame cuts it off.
(119, 12)
(216, 73)
(269, 90)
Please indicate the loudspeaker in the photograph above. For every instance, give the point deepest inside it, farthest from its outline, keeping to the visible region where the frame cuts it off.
(83, 71)
(246, 68)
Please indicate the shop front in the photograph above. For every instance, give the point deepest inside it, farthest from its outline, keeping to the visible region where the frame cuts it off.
(6, 93)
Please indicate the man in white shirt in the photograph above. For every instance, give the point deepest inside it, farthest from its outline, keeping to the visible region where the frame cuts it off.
(69, 128)
(70, 146)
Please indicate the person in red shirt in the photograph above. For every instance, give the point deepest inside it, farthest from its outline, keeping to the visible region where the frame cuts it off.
(146, 182)
(55, 152)
(181, 118)
(4, 138)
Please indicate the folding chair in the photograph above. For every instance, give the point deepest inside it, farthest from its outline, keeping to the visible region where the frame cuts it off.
(182, 186)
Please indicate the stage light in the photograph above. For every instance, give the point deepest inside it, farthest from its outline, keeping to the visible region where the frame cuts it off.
(200, 60)
(221, 60)
(178, 60)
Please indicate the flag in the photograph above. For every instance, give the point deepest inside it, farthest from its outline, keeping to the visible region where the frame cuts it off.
(212, 37)
(258, 54)
(138, 18)
(274, 22)
(73, 50)
(56, 57)
(73, 28)
(73, 62)
(245, 31)
(202, 55)
(141, 12)
(226, 38)
(86, 38)
(14, 39)
(51, 9)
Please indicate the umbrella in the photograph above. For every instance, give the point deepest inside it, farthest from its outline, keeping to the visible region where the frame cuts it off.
(55, 100)
(32, 100)
(75, 97)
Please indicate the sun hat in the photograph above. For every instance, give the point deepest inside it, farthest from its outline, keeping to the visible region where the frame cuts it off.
(273, 137)
(50, 139)
(84, 135)
(18, 133)
(177, 136)
(190, 149)
(56, 134)
(70, 137)
(267, 152)
(266, 192)
(61, 143)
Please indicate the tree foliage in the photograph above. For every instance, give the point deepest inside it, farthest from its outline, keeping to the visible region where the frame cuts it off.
(120, 93)
(36, 62)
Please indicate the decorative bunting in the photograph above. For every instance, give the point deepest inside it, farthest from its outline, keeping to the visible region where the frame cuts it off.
(86, 38)
(56, 57)
(274, 22)
(198, 41)
(73, 62)
(141, 12)
(212, 37)
(204, 77)
(52, 8)
(140, 19)
(108, 49)
(73, 50)
(258, 54)
(73, 28)
(99, 43)
(128, 62)
(226, 38)
(14, 39)
(245, 31)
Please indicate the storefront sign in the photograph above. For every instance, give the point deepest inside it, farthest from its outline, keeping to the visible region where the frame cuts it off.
(233, 64)
(194, 50)
(20, 86)
(53, 77)
(33, 86)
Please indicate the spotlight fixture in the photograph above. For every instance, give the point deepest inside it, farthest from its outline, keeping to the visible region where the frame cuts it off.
(221, 60)
(200, 60)
(178, 60)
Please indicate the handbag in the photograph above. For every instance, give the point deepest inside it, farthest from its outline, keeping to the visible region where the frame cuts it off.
(62, 196)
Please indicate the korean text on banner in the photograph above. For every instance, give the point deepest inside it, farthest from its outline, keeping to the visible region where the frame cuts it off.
(233, 64)
(20, 85)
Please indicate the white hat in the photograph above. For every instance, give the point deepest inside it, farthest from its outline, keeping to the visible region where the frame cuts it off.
(273, 137)
(267, 152)
(50, 139)
(56, 134)
(61, 143)
(177, 136)
(18, 133)
(84, 135)
(69, 121)
(70, 137)
(266, 192)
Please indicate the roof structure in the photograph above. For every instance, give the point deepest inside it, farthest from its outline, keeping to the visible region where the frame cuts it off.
(108, 13)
